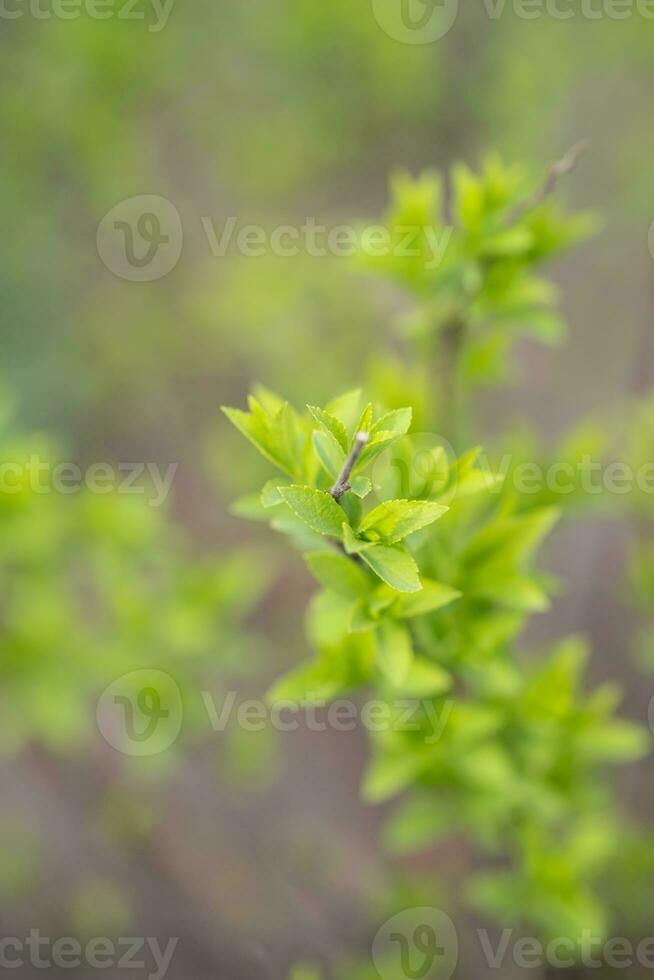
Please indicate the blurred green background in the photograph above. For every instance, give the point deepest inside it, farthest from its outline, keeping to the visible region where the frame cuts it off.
(254, 854)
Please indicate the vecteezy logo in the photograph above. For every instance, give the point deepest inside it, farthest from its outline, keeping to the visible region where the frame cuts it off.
(416, 21)
(141, 713)
(141, 238)
(417, 944)
(425, 941)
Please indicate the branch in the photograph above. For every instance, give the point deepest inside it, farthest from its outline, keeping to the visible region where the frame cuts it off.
(558, 169)
(343, 483)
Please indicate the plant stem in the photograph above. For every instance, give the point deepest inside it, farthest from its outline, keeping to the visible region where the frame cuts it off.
(343, 482)
(558, 169)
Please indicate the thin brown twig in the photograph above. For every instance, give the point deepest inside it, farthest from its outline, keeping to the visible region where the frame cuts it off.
(559, 169)
(343, 482)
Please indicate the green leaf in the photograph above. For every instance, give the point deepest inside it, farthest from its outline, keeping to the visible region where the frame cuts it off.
(353, 508)
(382, 598)
(375, 446)
(361, 486)
(249, 507)
(367, 611)
(512, 538)
(346, 408)
(398, 422)
(551, 691)
(339, 573)
(616, 741)
(270, 495)
(285, 521)
(425, 679)
(328, 619)
(345, 662)
(352, 544)
(468, 197)
(307, 684)
(253, 427)
(269, 400)
(394, 651)
(287, 439)
(275, 429)
(362, 618)
(417, 823)
(331, 425)
(395, 519)
(387, 775)
(316, 508)
(434, 595)
(329, 452)
(394, 565)
(496, 583)
(508, 242)
(365, 422)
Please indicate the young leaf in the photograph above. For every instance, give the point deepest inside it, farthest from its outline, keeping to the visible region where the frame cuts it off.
(507, 243)
(285, 521)
(329, 423)
(398, 422)
(352, 544)
(250, 507)
(395, 519)
(329, 452)
(353, 509)
(345, 661)
(378, 442)
(362, 618)
(361, 486)
(394, 651)
(512, 538)
(253, 427)
(418, 823)
(346, 408)
(316, 508)
(365, 421)
(339, 573)
(328, 619)
(434, 595)
(507, 588)
(425, 679)
(382, 598)
(616, 741)
(270, 495)
(394, 565)
(387, 775)
(269, 400)
(309, 683)
(287, 439)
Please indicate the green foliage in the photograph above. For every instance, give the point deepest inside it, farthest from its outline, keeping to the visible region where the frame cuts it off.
(96, 586)
(108, 106)
(425, 596)
(472, 268)
(420, 600)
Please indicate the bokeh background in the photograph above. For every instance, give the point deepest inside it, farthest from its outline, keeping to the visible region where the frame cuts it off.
(255, 851)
